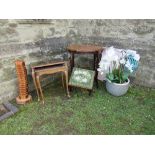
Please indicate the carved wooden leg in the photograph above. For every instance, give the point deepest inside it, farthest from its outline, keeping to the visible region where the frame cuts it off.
(35, 84)
(66, 76)
(70, 88)
(72, 61)
(39, 85)
(62, 74)
(97, 65)
(95, 68)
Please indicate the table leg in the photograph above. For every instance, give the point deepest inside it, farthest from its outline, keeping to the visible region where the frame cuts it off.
(35, 84)
(62, 75)
(94, 62)
(95, 67)
(66, 77)
(72, 61)
(39, 85)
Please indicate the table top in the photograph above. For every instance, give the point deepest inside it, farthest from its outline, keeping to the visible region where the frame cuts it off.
(49, 64)
(84, 48)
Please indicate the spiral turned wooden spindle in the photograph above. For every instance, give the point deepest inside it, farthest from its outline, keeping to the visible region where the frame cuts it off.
(24, 96)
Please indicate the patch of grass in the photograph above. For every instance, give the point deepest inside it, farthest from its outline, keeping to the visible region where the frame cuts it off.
(101, 113)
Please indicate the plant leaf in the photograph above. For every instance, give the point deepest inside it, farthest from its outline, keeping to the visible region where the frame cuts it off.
(110, 76)
(125, 77)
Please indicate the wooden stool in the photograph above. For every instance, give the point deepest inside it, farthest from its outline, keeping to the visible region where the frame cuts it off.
(82, 78)
(38, 71)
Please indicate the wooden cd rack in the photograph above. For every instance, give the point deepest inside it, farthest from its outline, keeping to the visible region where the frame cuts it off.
(24, 96)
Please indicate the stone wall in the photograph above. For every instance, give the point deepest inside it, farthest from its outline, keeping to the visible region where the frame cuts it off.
(41, 41)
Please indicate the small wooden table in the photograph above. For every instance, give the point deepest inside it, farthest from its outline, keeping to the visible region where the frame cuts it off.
(86, 49)
(38, 71)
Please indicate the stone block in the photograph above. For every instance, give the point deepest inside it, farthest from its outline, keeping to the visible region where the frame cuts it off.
(8, 74)
(1, 65)
(10, 30)
(36, 55)
(150, 21)
(100, 22)
(143, 29)
(13, 25)
(52, 29)
(154, 77)
(53, 44)
(10, 61)
(3, 22)
(9, 50)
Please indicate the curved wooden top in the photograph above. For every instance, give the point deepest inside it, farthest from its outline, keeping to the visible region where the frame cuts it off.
(84, 48)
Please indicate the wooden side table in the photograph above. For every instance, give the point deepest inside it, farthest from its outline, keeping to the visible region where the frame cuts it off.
(86, 49)
(38, 71)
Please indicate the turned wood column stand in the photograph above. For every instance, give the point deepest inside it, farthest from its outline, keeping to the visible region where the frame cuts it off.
(24, 96)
